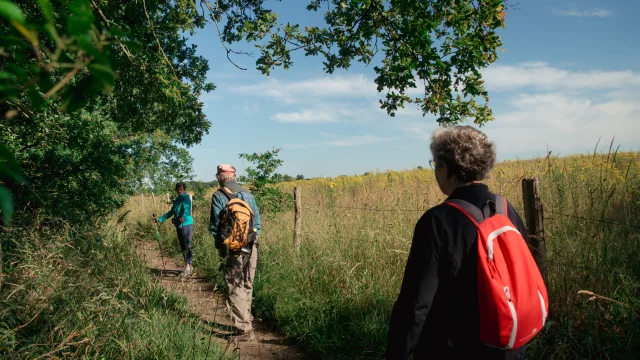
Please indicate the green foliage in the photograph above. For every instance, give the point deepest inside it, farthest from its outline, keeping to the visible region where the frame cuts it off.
(264, 172)
(441, 44)
(99, 100)
(9, 168)
(81, 294)
(262, 179)
(124, 73)
(200, 188)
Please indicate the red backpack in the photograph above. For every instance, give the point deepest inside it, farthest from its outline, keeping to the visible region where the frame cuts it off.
(512, 297)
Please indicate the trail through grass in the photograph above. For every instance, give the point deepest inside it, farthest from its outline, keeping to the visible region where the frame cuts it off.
(83, 293)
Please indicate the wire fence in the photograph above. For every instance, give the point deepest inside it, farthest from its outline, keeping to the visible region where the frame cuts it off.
(521, 210)
(602, 221)
(551, 262)
(364, 208)
(589, 268)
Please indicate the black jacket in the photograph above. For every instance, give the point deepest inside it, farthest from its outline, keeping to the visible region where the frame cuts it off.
(436, 314)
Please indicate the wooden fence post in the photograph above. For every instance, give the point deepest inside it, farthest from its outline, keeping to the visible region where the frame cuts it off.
(1, 279)
(142, 200)
(298, 217)
(154, 199)
(534, 217)
(168, 199)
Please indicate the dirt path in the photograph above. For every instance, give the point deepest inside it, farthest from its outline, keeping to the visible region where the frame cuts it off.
(209, 305)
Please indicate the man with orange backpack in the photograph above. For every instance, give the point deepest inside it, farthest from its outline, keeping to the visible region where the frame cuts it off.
(471, 289)
(235, 226)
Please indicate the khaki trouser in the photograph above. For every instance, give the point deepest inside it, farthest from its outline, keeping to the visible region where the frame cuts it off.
(240, 288)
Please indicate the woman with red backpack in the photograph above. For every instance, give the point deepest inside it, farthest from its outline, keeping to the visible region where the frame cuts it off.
(471, 288)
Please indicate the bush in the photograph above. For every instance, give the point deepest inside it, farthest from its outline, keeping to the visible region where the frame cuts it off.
(262, 180)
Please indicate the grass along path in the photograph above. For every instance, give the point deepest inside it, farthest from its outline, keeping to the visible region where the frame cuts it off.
(207, 302)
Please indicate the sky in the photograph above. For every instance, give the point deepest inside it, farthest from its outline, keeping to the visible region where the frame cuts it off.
(569, 77)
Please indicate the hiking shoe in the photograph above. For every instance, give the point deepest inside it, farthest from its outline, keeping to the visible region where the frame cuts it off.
(187, 271)
(244, 336)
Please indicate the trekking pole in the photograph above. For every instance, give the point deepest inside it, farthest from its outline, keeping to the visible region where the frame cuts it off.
(159, 245)
(215, 315)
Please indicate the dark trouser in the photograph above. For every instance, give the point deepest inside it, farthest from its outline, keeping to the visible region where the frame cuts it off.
(184, 237)
(470, 353)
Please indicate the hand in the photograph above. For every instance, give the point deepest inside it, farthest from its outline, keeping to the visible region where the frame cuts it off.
(155, 220)
(181, 219)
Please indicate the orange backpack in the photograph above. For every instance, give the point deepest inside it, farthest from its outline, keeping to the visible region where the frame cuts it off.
(236, 223)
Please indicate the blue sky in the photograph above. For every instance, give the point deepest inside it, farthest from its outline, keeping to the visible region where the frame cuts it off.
(568, 77)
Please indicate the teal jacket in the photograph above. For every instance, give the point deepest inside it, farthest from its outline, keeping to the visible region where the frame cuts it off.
(181, 208)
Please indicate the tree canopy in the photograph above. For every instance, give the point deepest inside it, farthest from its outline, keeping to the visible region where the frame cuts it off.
(100, 98)
(440, 43)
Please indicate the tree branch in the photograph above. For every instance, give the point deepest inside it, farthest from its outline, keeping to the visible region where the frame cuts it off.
(144, 3)
(63, 82)
(107, 22)
(220, 36)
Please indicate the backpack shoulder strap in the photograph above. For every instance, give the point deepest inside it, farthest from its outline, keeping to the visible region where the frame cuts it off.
(498, 206)
(228, 193)
(472, 212)
(501, 206)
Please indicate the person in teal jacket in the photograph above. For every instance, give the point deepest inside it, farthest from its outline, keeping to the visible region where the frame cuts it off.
(183, 221)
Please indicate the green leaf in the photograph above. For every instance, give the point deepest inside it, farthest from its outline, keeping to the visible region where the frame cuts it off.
(7, 41)
(11, 12)
(37, 99)
(6, 204)
(81, 18)
(7, 76)
(9, 92)
(9, 166)
(134, 46)
(47, 10)
(103, 73)
(73, 102)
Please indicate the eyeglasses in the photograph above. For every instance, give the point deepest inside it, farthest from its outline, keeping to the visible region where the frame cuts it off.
(432, 164)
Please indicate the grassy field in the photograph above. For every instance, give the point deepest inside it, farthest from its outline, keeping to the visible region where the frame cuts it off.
(83, 293)
(335, 296)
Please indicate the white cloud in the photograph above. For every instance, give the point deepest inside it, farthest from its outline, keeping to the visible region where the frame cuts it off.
(344, 142)
(310, 90)
(542, 76)
(418, 130)
(325, 113)
(585, 13)
(358, 140)
(565, 123)
(305, 116)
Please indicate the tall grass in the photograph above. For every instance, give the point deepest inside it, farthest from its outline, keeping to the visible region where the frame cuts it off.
(335, 296)
(83, 293)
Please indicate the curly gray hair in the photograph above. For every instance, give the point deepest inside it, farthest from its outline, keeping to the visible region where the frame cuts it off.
(467, 152)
